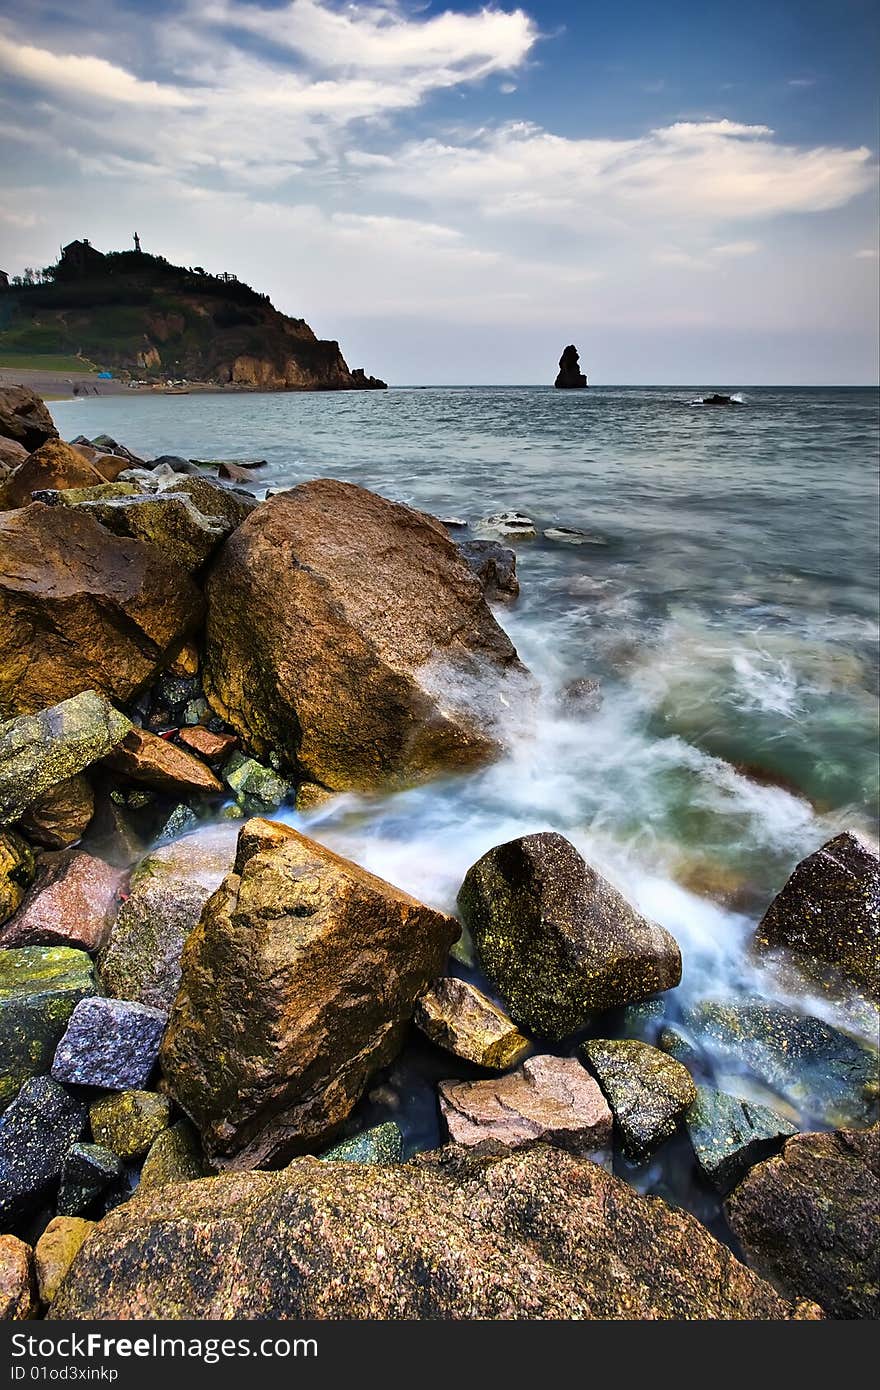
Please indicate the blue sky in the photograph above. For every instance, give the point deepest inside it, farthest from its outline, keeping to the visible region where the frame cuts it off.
(688, 192)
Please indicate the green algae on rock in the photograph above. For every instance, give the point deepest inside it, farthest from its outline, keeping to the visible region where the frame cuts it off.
(381, 1144)
(16, 872)
(128, 1122)
(40, 986)
(729, 1134)
(829, 910)
(533, 1234)
(557, 940)
(38, 751)
(55, 1250)
(258, 790)
(175, 1156)
(170, 522)
(647, 1090)
(461, 1019)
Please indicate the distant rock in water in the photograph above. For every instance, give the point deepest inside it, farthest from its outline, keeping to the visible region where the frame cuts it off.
(570, 374)
(716, 399)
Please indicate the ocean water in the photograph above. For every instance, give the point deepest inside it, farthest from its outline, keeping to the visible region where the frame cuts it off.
(725, 595)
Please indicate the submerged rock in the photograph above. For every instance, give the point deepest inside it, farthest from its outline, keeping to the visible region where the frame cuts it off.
(128, 1122)
(507, 525)
(829, 910)
(68, 904)
(729, 1134)
(111, 1043)
(39, 751)
(16, 872)
(551, 1099)
(89, 1169)
(648, 1091)
(109, 611)
(583, 695)
(168, 891)
(18, 1293)
(822, 1071)
(40, 986)
(558, 941)
(375, 640)
(24, 417)
(303, 975)
(534, 1234)
(495, 567)
(808, 1220)
(458, 1017)
(55, 1251)
(61, 815)
(570, 374)
(36, 1132)
(157, 763)
(382, 1144)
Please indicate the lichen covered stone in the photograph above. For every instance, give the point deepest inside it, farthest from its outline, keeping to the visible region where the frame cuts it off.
(40, 986)
(647, 1090)
(128, 1122)
(459, 1018)
(382, 1144)
(730, 1134)
(55, 1251)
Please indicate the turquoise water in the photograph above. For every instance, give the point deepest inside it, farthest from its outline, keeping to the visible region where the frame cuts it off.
(725, 595)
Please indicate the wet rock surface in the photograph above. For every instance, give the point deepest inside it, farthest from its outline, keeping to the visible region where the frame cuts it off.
(829, 910)
(495, 567)
(461, 1019)
(808, 1220)
(303, 974)
(382, 1144)
(534, 1234)
(157, 763)
(70, 903)
(128, 1122)
(648, 1091)
(39, 989)
(553, 1099)
(169, 521)
(89, 1169)
(558, 941)
(36, 1133)
(61, 816)
(730, 1134)
(111, 1043)
(40, 751)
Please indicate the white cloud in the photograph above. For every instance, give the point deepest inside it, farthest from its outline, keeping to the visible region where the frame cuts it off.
(85, 77)
(867, 253)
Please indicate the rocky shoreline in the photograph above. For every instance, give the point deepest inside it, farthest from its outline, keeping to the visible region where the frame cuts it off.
(195, 996)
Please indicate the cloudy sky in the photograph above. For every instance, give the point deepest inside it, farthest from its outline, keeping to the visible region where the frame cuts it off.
(687, 191)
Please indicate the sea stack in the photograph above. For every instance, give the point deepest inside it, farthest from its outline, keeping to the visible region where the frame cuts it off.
(570, 374)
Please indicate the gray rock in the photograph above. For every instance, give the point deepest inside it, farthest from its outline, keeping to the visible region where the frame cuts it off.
(36, 1132)
(111, 1043)
(89, 1169)
(170, 522)
(558, 941)
(647, 1090)
(729, 1135)
(495, 567)
(37, 751)
(230, 504)
(257, 789)
(506, 524)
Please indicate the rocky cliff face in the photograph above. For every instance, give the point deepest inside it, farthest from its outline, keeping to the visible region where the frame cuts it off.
(135, 313)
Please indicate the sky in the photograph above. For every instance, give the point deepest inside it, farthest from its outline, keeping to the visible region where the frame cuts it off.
(688, 192)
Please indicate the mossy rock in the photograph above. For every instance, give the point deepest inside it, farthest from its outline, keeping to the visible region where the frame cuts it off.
(16, 873)
(130, 1121)
(382, 1144)
(175, 1156)
(40, 986)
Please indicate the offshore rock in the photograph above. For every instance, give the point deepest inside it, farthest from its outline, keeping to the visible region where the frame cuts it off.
(533, 1234)
(551, 1099)
(36, 1132)
(376, 644)
(39, 751)
(168, 890)
(111, 1043)
(648, 1091)
(39, 989)
(829, 910)
(495, 567)
(61, 815)
(68, 904)
(24, 417)
(82, 609)
(558, 941)
(297, 984)
(729, 1135)
(570, 374)
(459, 1018)
(16, 872)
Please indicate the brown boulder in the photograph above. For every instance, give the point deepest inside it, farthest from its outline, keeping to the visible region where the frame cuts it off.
(61, 815)
(68, 903)
(11, 455)
(553, 1099)
(81, 608)
(144, 757)
(533, 1234)
(376, 643)
(54, 465)
(18, 1293)
(24, 417)
(301, 976)
(461, 1019)
(808, 1220)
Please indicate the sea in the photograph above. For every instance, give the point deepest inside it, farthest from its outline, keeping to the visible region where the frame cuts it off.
(721, 585)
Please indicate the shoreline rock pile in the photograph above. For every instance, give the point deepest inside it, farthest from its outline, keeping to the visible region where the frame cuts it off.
(193, 994)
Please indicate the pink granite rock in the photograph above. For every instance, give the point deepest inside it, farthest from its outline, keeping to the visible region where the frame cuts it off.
(553, 1099)
(68, 905)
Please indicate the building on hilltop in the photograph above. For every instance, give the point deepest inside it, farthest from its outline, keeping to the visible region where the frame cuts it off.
(4, 280)
(79, 258)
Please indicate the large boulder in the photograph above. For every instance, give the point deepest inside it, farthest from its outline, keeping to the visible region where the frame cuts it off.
(39, 751)
(558, 941)
(173, 524)
(378, 657)
(533, 1234)
(168, 890)
(808, 1220)
(24, 417)
(829, 910)
(53, 466)
(302, 976)
(553, 1099)
(80, 609)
